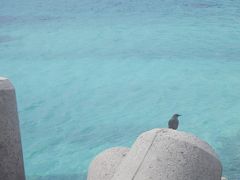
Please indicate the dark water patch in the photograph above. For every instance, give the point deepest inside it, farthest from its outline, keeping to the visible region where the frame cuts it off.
(202, 5)
(32, 106)
(46, 18)
(7, 20)
(6, 38)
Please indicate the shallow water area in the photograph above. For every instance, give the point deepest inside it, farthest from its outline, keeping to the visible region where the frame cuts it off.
(90, 75)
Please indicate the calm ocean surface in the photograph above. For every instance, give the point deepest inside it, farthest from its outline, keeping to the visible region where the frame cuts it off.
(93, 74)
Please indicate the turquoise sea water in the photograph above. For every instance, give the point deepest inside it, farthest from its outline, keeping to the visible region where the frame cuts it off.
(90, 75)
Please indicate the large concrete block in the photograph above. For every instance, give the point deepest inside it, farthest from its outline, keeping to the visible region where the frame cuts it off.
(11, 158)
(105, 164)
(165, 154)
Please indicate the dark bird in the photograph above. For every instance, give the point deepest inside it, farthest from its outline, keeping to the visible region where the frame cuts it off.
(173, 122)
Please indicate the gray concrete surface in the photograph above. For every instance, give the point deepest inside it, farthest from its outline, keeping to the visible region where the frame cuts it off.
(159, 154)
(165, 154)
(11, 158)
(105, 164)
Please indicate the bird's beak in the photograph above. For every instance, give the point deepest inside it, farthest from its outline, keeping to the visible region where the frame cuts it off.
(179, 115)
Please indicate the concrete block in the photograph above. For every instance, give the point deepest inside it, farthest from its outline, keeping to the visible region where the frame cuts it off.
(105, 164)
(165, 154)
(11, 157)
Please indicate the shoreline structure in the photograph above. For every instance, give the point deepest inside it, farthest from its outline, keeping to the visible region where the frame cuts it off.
(164, 154)
(11, 156)
(157, 154)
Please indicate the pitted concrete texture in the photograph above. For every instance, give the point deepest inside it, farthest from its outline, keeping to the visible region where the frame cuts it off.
(11, 158)
(165, 154)
(105, 164)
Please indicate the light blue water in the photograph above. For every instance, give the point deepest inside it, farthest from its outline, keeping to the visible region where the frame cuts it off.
(90, 75)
